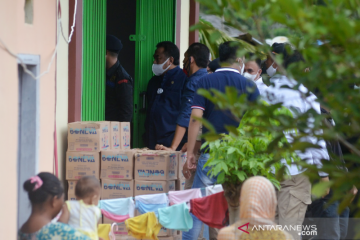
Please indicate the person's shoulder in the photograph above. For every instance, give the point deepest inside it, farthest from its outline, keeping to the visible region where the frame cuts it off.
(60, 229)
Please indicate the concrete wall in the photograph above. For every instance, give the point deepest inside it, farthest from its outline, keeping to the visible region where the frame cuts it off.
(184, 30)
(62, 89)
(38, 38)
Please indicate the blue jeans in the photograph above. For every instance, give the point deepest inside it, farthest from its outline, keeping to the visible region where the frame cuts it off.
(330, 225)
(201, 180)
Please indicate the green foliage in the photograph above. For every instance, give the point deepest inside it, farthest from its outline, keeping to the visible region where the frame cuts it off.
(244, 151)
(333, 68)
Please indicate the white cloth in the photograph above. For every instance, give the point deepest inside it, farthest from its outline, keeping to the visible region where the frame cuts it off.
(261, 86)
(82, 216)
(177, 197)
(293, 99)
(213, 189)
(160, 198)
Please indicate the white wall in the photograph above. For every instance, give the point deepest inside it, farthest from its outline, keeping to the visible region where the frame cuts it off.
(184, 29)
(62, 90)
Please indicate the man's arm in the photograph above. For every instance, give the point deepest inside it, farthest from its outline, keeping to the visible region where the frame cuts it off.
(178, 136)
(194, 127)
(124, 97)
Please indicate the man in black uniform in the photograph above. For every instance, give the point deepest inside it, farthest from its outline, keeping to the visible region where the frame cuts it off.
(119, 85)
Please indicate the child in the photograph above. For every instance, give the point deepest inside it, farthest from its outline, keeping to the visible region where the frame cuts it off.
(83, 213)
(47, 197)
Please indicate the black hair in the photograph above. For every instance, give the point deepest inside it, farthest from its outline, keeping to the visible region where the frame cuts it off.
(170, 50)
(228, 51)
(200, 53)
(86, 186)
(280, 48)
(51, 187)
(214, 64)
(251, 56)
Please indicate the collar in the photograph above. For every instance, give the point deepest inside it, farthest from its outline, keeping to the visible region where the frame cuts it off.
(227, 69)
(112, 70)
(201, 71)
(259, 81)
(172, 72)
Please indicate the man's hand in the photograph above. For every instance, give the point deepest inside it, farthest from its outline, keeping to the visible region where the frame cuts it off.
(184, 148)
(325, 179)
(186, 172)
(353, 191)
(191, 161)
(162, 147)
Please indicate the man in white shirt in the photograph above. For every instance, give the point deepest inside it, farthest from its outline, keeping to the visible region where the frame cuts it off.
(295, 193)
(252, 72)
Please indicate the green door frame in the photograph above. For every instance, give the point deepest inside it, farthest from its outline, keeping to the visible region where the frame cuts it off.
(93, 66)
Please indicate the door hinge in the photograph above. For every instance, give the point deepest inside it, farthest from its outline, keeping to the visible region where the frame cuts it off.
(137, 37)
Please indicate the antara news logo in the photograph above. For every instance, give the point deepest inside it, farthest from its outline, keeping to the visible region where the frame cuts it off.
(308, 230)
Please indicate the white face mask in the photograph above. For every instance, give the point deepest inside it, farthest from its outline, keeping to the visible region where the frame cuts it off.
(250, 76)
(242, 68)
(271, 70)
(158, 68)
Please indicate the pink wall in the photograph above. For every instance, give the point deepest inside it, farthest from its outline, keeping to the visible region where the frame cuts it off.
(38, 38)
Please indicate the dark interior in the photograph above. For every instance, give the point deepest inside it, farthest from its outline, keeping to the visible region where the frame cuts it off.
(121, 22)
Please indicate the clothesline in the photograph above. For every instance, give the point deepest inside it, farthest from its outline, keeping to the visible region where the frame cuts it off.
(167, 194)
(158, 211)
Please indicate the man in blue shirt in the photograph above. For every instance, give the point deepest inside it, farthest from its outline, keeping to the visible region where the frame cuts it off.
(226, 76)
(196, 59)
(164, 93)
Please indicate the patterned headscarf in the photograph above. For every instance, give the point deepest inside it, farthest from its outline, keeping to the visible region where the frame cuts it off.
(258, 201)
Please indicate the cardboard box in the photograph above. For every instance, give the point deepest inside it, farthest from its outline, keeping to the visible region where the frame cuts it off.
(79, 164)
(71, 190)
(152, 187)
(164, 232)
(156, 165)
(111, 189)
(117, 164)
(180, 184)
(89, 136)
(124, 237)
(121, 230)
(120, 135)
(124, 135)
(182, 156)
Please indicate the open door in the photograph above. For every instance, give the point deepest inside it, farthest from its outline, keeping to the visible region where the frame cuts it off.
(155, 22)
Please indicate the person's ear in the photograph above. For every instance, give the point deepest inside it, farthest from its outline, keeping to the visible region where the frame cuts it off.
(260, 71)
(171, 60)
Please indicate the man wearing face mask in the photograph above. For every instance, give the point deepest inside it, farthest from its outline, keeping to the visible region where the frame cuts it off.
(295, 193)
(195, 61)
(226, 76)
(163, 95)
(253, 72)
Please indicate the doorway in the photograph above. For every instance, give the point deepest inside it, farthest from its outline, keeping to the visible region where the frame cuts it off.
(28, 138)
(140, 25)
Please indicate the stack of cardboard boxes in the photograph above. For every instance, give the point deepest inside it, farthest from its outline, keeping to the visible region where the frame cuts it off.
(85, 142)
(102, 149)
(156, 172)
(180, 182)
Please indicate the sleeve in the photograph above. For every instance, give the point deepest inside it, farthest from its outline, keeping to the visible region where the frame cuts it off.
(199, 101)
(186, 101)
(124, 97)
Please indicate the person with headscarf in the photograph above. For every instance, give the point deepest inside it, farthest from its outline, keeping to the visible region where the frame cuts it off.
(257, 213)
